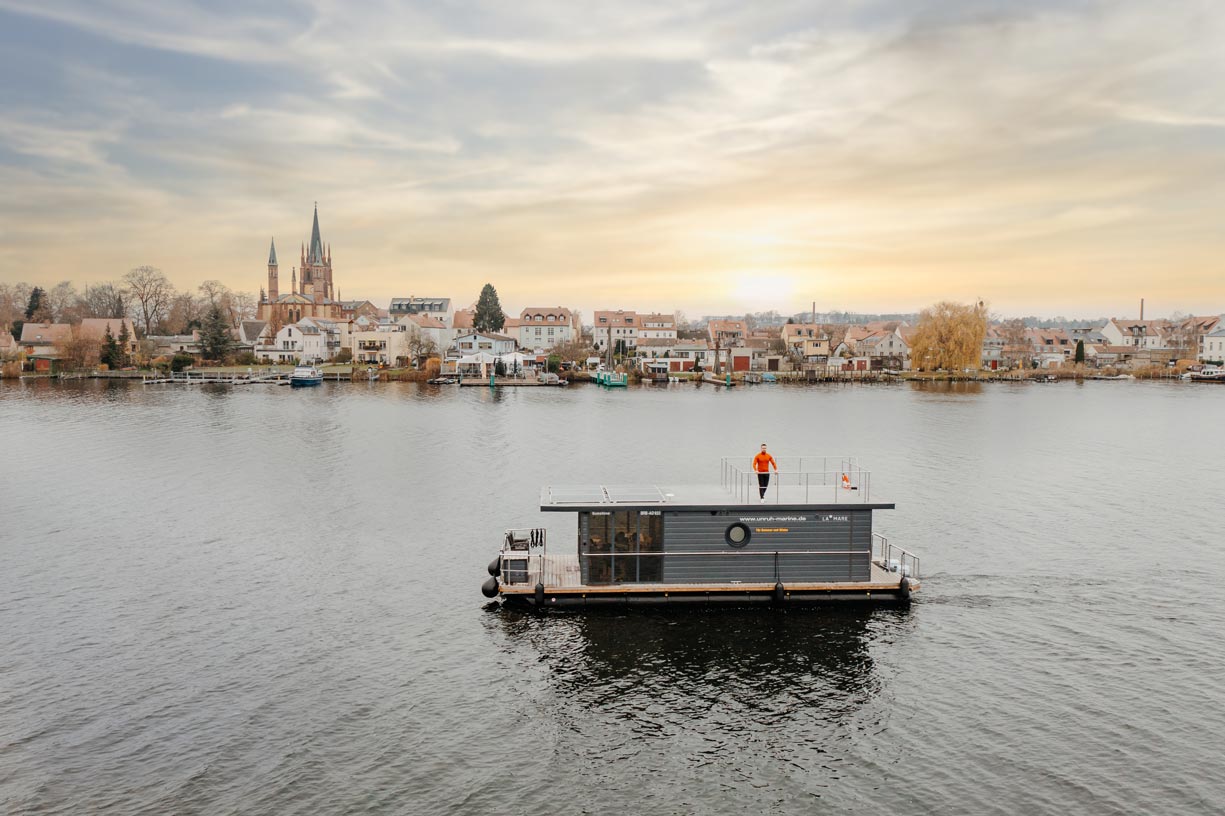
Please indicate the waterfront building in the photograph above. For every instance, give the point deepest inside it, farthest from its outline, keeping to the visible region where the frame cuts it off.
(353, 309)
(806, 342)
(41, 343)
(1212, 346)
(610, 326)
(438, 307)
(428, 327)
(890, 346)
(727, 333)
(472, 342)
(544, 327)
(1139, 334)
(95, 329)
(1191, 333)
(657, 327)
(311, 293)
(383, 345)
(250, 335)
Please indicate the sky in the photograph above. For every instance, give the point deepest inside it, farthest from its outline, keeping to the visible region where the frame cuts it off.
(708, 156)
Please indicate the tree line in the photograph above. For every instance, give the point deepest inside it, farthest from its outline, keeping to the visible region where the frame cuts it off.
(144, 294)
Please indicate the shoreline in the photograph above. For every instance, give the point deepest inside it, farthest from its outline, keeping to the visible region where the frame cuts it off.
(275, 376)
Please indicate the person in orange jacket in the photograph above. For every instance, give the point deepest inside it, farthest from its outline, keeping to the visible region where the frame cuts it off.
(762, 463)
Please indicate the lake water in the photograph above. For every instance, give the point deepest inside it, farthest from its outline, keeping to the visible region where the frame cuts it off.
(261, 600)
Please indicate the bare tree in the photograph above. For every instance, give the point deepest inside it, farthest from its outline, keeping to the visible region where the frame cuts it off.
(242, 306)
(213, 291)
(13, 297)
(186, 313)
(152, 292)
(575, 351)
(420, 346)
(80, 350)
(62, 301)
(108, 299)
(1016, 342)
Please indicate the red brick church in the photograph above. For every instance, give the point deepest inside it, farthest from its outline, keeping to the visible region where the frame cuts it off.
(311, 296)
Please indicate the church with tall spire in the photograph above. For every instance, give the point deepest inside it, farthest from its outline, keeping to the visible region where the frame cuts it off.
(312, 291)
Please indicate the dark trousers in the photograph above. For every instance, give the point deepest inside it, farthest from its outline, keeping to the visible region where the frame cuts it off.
(763, 481)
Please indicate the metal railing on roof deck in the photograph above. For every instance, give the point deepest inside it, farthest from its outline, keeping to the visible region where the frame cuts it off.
(799, 479)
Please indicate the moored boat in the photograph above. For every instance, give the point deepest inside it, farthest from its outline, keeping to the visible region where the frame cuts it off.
(303, 376)
(809, 540)
(1208, 373)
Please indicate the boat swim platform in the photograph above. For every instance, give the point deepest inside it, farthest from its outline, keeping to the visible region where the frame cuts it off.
(562, 586)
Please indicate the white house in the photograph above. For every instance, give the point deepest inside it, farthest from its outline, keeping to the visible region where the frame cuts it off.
(657, 327)
(385, 345)
(608, 327)
(296, 342)
(472, 342)
(428, 327)
(1213, 346)
(1140, 334)
(544, 327)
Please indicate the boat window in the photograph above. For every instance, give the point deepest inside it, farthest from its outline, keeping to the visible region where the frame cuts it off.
(621, 546)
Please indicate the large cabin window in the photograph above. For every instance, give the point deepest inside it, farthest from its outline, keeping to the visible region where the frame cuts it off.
(619, 546)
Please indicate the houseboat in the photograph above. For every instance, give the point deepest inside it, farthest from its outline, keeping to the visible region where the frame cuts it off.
(810, 539)
(303, 376)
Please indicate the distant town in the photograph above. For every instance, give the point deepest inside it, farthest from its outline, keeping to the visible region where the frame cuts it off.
(143, 322)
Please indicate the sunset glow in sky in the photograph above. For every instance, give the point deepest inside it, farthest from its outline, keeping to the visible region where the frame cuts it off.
(710, 156)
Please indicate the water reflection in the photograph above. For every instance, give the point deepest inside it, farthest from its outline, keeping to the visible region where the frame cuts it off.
(961, 388)
(774, 664)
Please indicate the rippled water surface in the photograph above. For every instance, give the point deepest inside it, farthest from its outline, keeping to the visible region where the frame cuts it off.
(263, 601)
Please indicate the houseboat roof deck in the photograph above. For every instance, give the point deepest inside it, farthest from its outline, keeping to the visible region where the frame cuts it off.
(802, 482)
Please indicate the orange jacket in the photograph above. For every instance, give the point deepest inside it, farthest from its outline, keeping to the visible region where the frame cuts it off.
(762, 463)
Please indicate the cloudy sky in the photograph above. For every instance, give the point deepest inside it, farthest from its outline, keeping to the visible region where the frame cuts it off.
(1054, 158)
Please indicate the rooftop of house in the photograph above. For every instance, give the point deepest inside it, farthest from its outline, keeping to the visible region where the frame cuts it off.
(726, 327)
(463, 319)
(486, 335)
(45, 333)
(97, 326)
(425, 321)
(411, 302)
(559, 313)
(619, 318)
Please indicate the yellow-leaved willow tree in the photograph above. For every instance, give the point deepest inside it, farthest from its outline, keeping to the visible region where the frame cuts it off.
(949, 336)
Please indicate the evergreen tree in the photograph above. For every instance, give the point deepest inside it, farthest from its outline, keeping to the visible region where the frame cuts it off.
(489, 316)
(110, 354)
(125, 340)
(1080, 351)
(35, 302)
(216, 343)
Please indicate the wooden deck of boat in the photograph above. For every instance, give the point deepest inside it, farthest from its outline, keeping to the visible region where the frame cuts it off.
(562, 575)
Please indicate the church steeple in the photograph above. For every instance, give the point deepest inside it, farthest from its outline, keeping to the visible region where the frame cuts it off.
(273, 286)
(315, 255)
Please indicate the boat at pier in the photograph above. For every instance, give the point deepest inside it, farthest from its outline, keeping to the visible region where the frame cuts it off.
(810, 539)
(303, 376)
(1208, 373)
